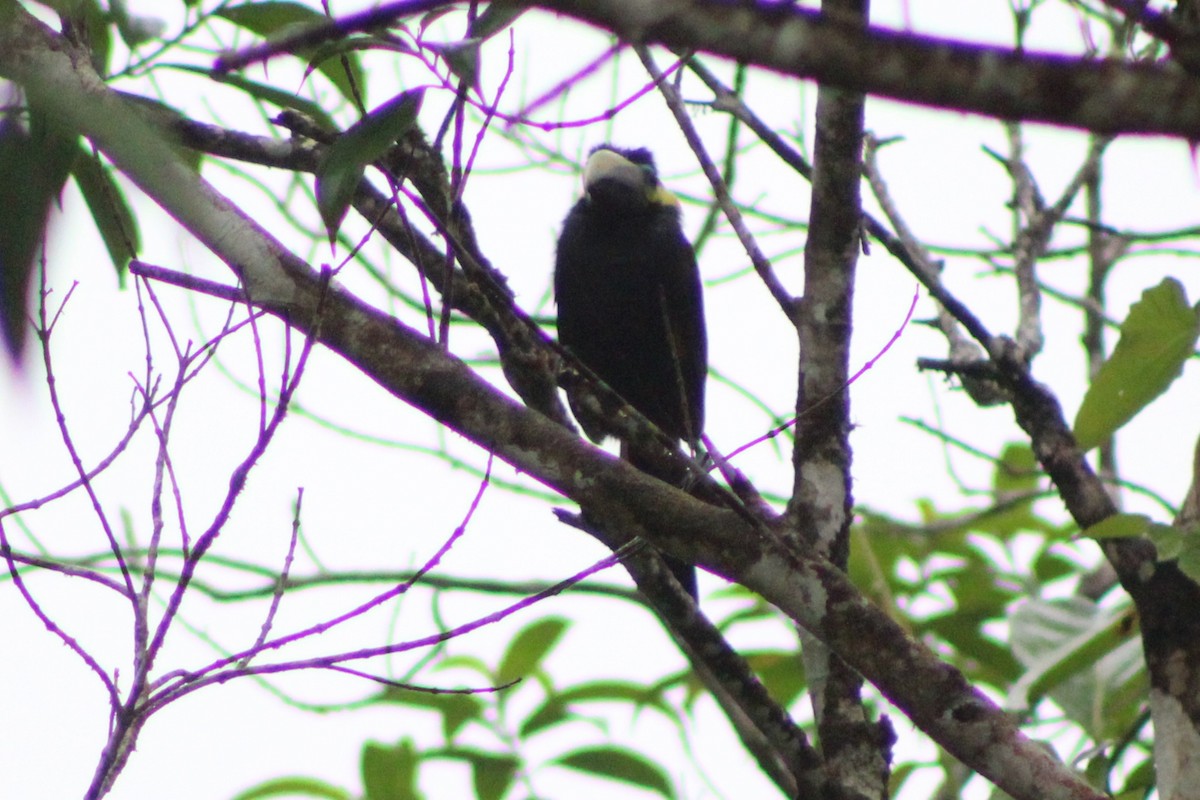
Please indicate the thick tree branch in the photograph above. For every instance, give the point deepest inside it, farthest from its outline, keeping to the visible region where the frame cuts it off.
(1102, 95)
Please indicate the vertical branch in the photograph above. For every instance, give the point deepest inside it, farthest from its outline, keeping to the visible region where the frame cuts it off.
(1031, 232)
(1103, 251)
(821, 503)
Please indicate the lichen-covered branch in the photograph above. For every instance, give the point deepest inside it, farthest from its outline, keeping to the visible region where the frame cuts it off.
(1101, 95)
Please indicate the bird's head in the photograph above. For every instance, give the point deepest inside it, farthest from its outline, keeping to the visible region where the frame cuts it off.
(625, 179)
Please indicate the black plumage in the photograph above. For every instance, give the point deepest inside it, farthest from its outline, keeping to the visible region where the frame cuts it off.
(630, 305)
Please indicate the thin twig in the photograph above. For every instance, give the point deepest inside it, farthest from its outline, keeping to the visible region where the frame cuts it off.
(762, 264)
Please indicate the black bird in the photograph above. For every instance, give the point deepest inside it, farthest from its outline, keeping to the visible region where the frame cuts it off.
(630, 305)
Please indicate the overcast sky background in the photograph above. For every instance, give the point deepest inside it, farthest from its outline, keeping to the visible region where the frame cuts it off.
(373, 506)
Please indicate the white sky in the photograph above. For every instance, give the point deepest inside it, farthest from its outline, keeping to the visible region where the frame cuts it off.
(372, 507)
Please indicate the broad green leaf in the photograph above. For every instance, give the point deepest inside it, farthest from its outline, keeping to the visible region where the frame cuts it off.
(462, 58)
(268, 19)
(293, 786)
(1168, 541)
(464, 661)
(552, 712)
(55, 150)
(1118, 526)
(900, 773)
(346, 75)
(493, 774)
(1156, 338)
(1014, 486)
(558, 707)
(99, 38)
(389, 772)
(1087, 658)
(1139, 780)
(614, 691)
(781, 672)
(495, 18)
(975, 653)
(755, 611)
(431, 17)
(277, 19)
(456, 709)
(109, 209)
(367, 140)
(1052, 565)
(1017, 470)
(1096, 768)
(526, 651)
(1189, 559)
(33, 168)
(619, 764)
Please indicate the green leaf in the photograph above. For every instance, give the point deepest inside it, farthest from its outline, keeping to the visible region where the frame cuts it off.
(526, 651)
(390, 772)
(1086, 657)
(99, 35)
(1014, 488)
(462, 58)
(1139, 780)
(900, 773)
(493, 775)
(1189, 560)
(619, 764)
(114, 219)
(292, 786)
(33, 168)
(558, 707)
(264, 92)
(1017, 472)
(278, 19)
(1118, 526)
(456, 709)
(552, 712)
(1156, 338)
(1168, 541)
(463, 661)
(975, 653)
(268, 19)
(366, 141)
(781, 672)
(1052, 565)
(495, 18)
(338, 61)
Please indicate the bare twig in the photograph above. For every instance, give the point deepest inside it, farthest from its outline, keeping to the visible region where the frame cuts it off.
(720, 191)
